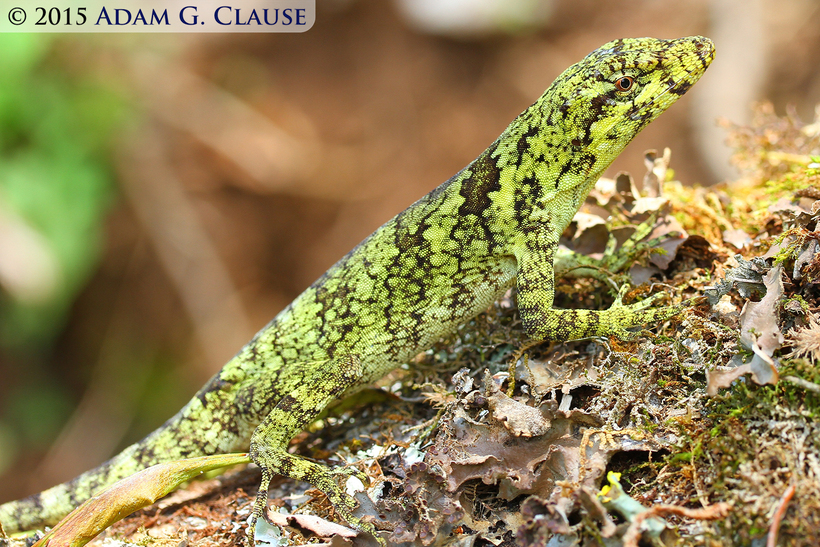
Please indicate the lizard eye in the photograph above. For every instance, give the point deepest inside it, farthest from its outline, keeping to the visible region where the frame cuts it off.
(624, 83)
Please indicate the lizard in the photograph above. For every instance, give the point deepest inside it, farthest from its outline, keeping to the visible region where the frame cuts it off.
(494, 225)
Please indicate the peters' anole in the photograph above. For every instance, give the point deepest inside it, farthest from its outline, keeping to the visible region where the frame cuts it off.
(447, 257)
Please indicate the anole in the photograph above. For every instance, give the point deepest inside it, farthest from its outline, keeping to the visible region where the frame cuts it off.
(449, 256)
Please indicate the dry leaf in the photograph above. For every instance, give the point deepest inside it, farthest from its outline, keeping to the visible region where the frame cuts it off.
(130, 494)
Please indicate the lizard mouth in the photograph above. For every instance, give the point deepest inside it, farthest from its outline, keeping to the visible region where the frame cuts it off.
(679, 87)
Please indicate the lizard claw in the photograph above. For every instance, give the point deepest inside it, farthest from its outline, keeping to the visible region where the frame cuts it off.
(346, 473)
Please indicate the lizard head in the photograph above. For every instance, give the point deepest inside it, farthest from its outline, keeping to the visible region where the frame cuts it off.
(595, 107)
(622, 86)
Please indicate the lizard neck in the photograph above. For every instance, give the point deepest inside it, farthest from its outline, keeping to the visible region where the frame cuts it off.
(531, 174)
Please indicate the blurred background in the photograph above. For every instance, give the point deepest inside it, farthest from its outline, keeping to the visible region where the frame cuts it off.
(162, 197)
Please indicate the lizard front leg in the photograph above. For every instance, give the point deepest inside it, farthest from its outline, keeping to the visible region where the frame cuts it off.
(291, 415)
(536, 290)
(615, 260)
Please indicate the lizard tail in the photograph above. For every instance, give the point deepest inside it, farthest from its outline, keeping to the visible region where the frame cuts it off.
(196, 430)
(49, 506)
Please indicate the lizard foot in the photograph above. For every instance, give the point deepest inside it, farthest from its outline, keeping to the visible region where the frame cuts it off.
(291, 414)
(346, 472)
(619, 317)
(314, 473)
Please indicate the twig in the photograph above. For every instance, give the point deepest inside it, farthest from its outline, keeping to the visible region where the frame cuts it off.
(712, 512)
(771, 541)
(805, 384)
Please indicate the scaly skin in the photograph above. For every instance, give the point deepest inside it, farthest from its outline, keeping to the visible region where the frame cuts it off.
(443, 260)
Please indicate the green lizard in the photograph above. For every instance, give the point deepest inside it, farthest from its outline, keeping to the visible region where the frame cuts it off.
(443, 260)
